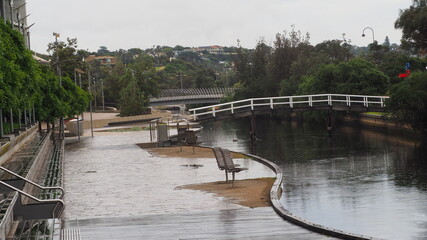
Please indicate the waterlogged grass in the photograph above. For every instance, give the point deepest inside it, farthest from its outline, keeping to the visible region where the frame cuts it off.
(379, 114)
(133, 129)
(376, 113)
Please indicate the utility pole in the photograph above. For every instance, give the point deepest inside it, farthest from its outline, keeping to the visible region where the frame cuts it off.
(3, 10)
(95, 90)
(11, 12)
(58, 71)
(90, 103)
(103, 100)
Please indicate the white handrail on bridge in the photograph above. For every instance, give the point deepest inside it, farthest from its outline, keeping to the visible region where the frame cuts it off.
(291, 101)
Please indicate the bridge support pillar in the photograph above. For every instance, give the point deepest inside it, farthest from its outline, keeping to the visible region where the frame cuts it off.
(181, 109)
(252, 133)
(331, 121)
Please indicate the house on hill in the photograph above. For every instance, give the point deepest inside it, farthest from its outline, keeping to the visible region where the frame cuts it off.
(104, 60)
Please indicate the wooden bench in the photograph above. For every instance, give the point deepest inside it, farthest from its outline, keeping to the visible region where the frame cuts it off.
(225, 162)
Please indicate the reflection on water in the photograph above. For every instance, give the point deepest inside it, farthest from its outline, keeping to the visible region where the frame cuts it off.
(358, 180)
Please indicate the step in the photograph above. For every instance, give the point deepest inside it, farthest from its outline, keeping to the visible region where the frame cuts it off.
(70, 234)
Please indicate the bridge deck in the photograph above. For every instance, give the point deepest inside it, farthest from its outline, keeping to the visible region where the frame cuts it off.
(319, 102)
(257, 223)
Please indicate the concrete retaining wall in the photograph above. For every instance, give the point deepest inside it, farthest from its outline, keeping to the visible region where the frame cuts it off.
(10, 148)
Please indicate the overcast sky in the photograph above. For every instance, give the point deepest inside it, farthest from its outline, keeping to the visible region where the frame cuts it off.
(143, 23)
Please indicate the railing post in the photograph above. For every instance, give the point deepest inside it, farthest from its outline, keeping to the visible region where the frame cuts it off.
(232, 108)
(194, 116)
(348, 101)
(291, 104)
(310, 101)
(213, 111)
(252, 104)
(329, 99)
(365, 101)
(382, 102)
(271, 103)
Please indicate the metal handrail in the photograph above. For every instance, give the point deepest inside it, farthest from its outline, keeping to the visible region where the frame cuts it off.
(291, 101)
(58, 201)
(33, 183)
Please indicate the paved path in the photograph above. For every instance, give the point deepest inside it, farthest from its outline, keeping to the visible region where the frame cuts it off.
(257, 223)
(116, 190)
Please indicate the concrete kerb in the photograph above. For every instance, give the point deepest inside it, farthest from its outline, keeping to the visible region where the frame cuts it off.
(276, 193)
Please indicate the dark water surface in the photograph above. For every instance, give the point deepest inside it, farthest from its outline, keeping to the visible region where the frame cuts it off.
(359, 180)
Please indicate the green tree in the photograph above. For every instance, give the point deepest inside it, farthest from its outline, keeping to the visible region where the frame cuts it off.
(114, 82)
(19, 77)
(253, 72)
(59, 100)
(387, 42)
(288, 47)
(11, 73)
(145, 74)
(408, 100)
(336, 50)
(68, 57)
(103, 51)
(356, 76)
(132, 99)
(413, 21)
(393, 63)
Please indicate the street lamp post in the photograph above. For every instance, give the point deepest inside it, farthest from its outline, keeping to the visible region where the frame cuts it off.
(373, 35)
(90, 103)
(58, 71)
(102, 92)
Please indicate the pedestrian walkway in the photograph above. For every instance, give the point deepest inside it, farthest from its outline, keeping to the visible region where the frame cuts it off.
(116, 190)
(256, 223)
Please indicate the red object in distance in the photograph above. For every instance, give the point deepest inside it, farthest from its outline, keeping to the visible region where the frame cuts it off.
(404, 75)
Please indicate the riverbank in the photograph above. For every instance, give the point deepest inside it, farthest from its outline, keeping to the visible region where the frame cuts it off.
(388, 124)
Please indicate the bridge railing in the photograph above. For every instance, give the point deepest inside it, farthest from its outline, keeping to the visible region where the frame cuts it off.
(290, 102)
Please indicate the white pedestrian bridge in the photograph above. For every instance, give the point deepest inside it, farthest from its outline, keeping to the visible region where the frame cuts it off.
(318, 102)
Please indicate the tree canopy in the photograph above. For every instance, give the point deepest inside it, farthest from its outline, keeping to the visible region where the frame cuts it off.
(18, 71)
(408, 100)
(24, 83)
(356, 76)
(413, 22)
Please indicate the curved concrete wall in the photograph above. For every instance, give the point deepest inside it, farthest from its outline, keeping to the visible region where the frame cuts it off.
(275, 195)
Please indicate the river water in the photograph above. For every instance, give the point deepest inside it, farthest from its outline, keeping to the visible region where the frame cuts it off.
(359, 180)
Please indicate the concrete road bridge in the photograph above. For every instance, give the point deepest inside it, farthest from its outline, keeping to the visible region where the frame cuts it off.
(190, 96)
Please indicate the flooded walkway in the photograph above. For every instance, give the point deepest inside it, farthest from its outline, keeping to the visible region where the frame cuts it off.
(116, 190)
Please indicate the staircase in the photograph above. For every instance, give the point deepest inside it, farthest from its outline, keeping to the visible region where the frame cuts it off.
(30, 191)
